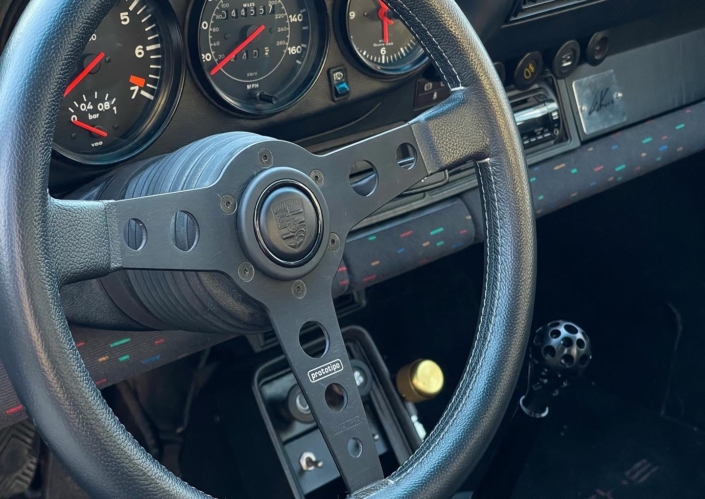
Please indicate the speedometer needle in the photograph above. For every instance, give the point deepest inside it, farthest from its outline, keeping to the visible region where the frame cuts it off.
(237, 50)
(91, 129)
(83, 74)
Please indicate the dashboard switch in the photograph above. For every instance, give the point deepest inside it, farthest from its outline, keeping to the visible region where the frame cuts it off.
(429, 93)
(338, 81)
(342, 89)
(528, 70)
(309, 462)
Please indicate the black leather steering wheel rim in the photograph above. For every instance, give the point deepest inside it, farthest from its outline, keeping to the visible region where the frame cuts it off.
(38, 352)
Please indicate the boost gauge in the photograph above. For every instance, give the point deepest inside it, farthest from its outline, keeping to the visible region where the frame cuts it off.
(124, 87)
(379, 39)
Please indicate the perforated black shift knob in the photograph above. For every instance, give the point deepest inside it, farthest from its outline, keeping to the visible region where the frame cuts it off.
(560, 351)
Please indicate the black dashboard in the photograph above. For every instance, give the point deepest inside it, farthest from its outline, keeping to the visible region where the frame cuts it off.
(323, 73)
(158, 75)
(333, 76)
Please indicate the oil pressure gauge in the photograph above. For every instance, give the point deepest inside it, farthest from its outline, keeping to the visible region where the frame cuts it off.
(379, 40)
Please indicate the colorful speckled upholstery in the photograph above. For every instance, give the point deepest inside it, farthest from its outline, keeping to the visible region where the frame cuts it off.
(384, 251)
(595, 167)
(377, 254)
(113, 356)
(617, 158)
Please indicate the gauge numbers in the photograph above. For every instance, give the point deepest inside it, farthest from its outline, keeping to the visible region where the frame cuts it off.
(380, 40)
(260, 56)
(121, 88)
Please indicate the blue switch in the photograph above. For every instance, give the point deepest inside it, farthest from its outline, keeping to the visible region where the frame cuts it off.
(338, 80)
(341, 89)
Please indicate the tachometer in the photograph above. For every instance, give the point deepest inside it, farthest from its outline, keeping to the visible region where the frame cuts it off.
(379, 39)
(125, 86)
(258, 57)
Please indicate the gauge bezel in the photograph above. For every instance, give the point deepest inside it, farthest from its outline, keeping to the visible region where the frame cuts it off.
(366, 66)
(311, 69)
(164, 105)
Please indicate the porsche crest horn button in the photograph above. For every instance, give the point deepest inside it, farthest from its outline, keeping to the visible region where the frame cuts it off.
(288, 224)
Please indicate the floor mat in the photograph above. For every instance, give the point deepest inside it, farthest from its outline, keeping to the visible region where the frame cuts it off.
(595, 446)
(628, 267)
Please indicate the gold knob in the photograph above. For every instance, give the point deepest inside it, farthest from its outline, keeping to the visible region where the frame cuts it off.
(421, 380)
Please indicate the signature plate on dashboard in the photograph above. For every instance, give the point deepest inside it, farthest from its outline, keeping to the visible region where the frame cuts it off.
(600, 102)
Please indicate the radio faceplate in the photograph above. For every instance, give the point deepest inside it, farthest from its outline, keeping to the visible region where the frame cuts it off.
(538, 116)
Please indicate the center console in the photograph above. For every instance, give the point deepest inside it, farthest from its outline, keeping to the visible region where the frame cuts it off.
(299, 445)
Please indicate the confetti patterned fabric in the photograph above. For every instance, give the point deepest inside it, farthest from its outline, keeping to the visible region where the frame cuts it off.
(382, 252)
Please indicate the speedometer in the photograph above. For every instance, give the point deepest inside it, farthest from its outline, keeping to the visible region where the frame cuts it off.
(258, 57)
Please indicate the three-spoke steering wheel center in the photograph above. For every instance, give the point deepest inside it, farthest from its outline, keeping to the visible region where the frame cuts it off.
(282, 222)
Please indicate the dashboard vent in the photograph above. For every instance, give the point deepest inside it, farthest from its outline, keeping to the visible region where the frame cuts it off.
(528, 8)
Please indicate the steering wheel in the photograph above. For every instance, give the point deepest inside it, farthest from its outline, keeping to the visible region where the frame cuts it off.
(266, 186)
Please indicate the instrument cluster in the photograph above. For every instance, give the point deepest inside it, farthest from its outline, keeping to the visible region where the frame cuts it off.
(250, 58)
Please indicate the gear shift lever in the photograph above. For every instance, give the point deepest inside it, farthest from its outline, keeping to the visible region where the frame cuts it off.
(559, 353)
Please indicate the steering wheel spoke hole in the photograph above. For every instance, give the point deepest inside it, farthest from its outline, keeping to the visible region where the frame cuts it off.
(406, 156)
(310, 337)
(185, 231)
(135, 234)
(355, 447)
(336, 399)
(363, 178)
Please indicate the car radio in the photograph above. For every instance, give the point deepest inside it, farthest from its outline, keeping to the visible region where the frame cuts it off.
(538, 117)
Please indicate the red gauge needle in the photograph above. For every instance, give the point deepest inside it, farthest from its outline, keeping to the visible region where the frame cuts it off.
(386, 22)
(84, 73)
(237, 50)
(92, 129)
